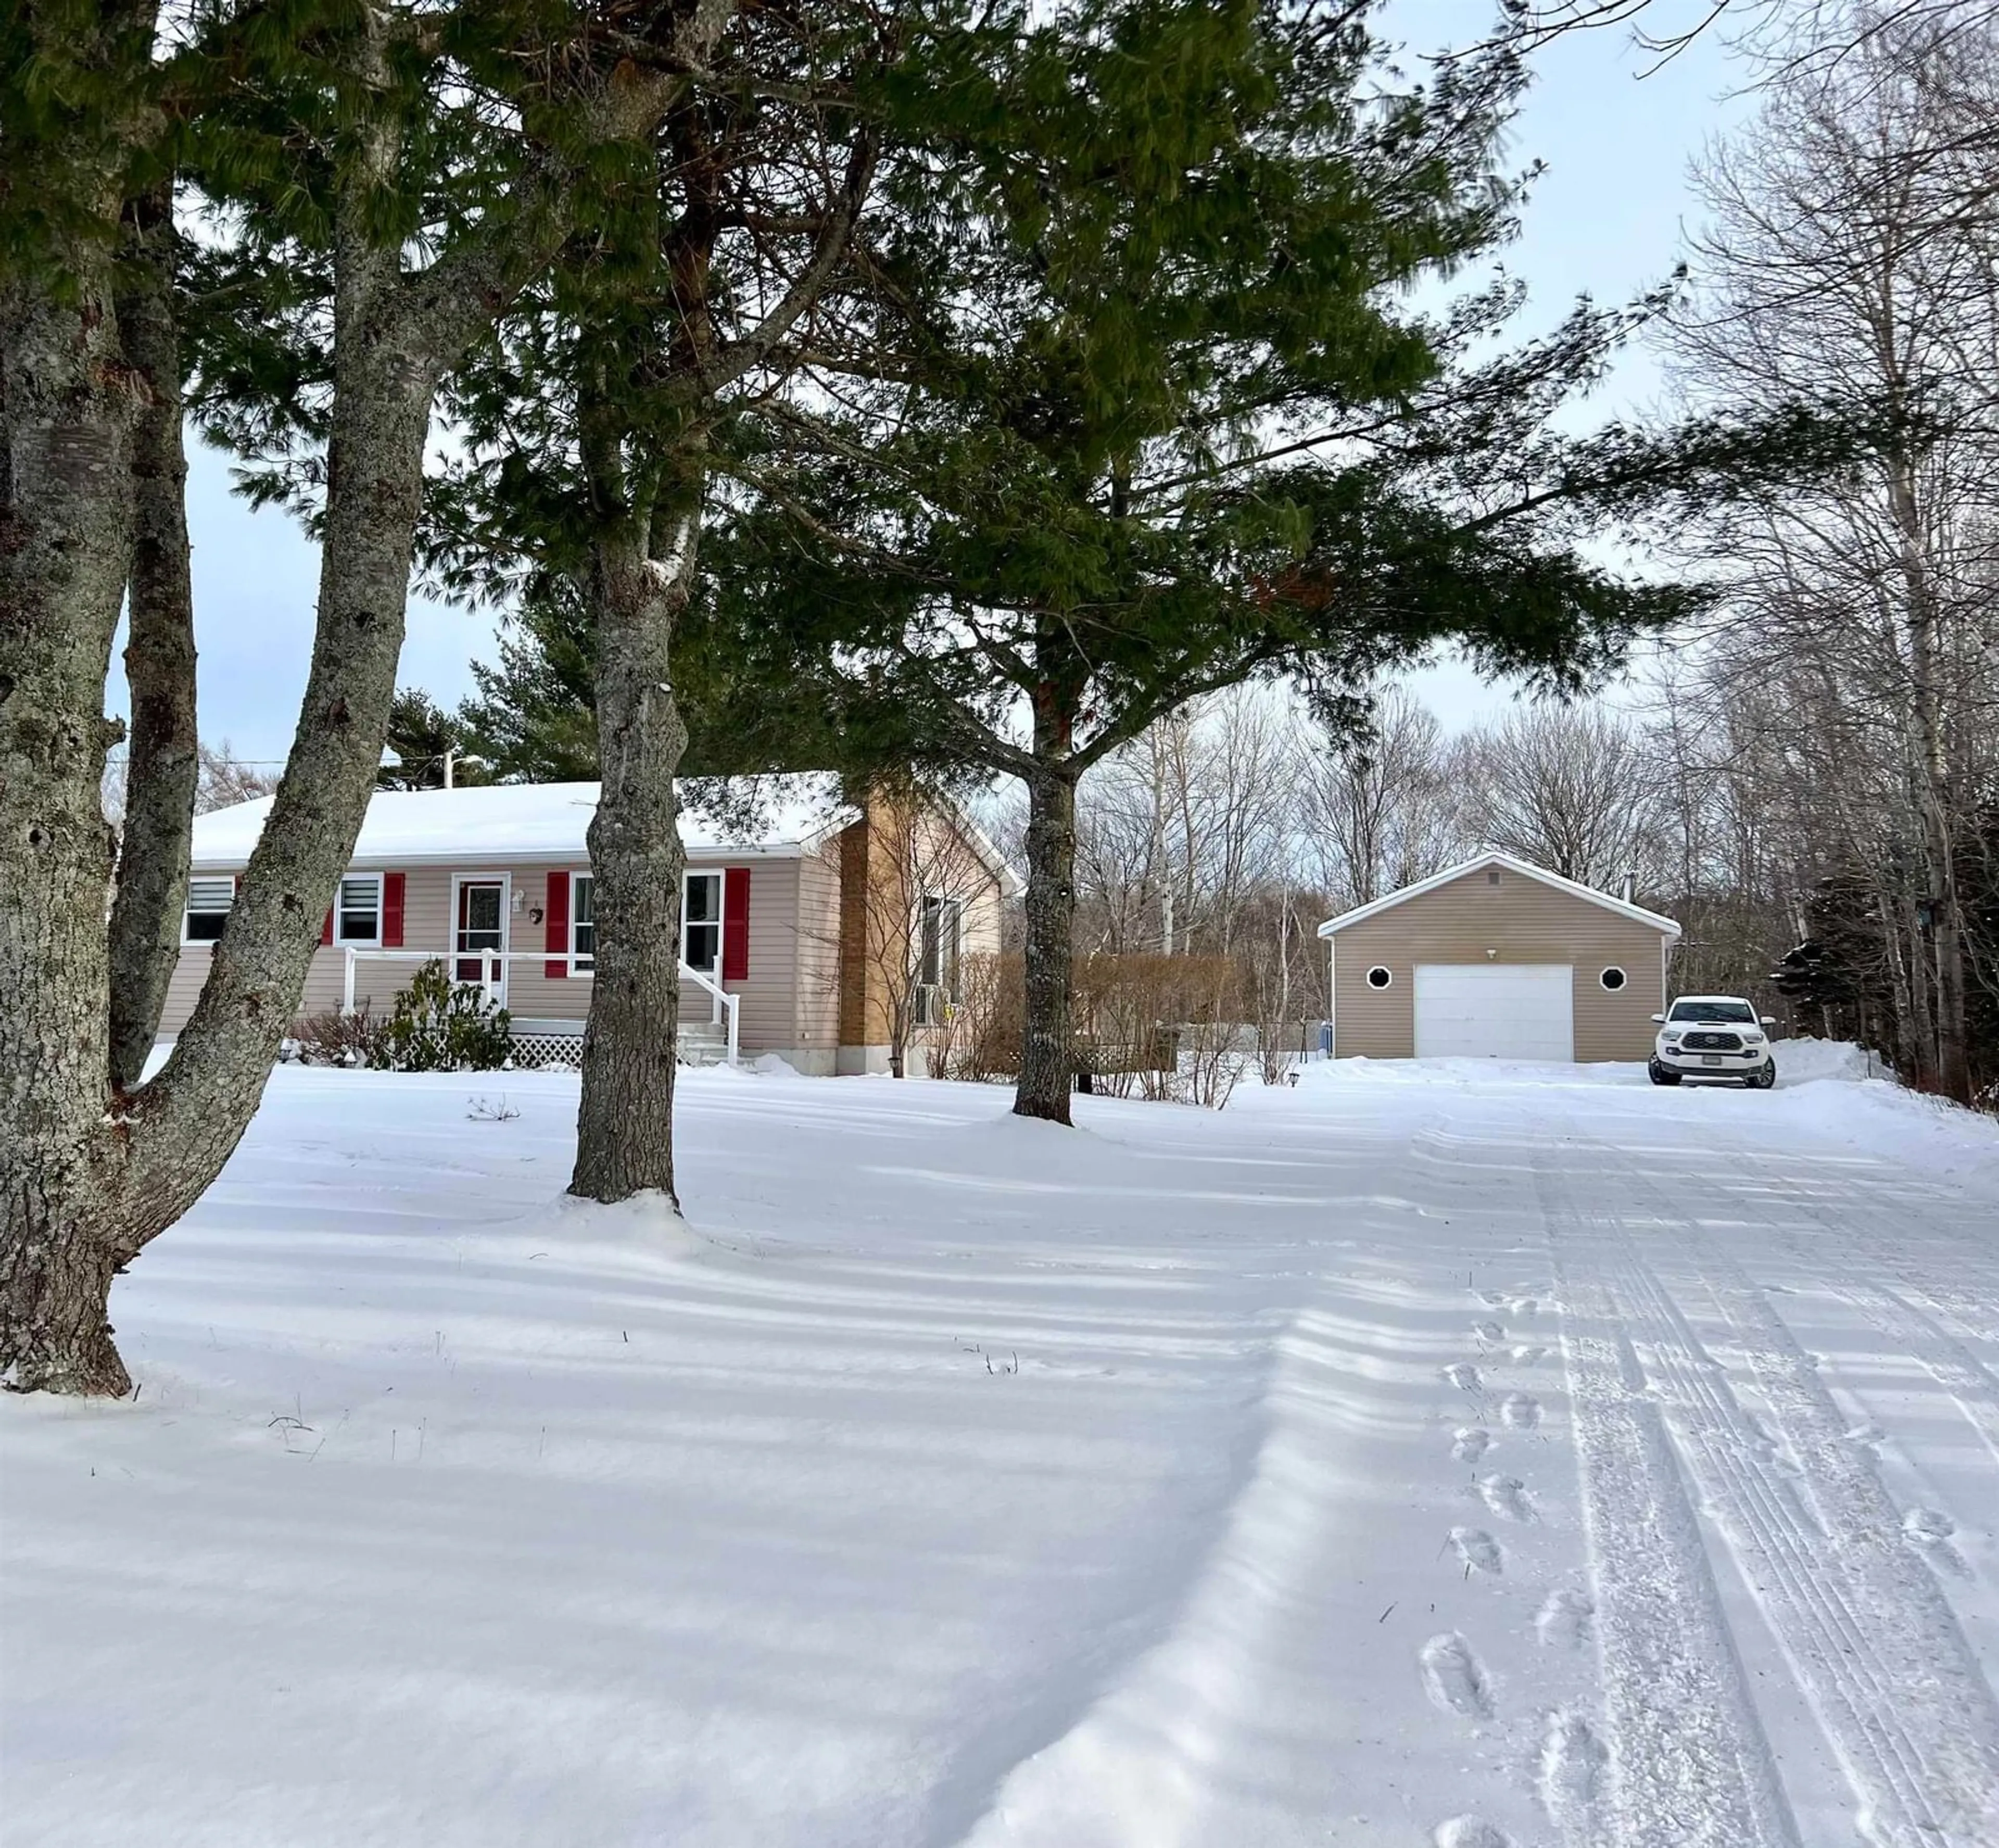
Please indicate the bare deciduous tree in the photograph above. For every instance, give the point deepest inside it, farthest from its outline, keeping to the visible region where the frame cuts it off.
(1379, 810)
(1569, 788)
(1850, 249)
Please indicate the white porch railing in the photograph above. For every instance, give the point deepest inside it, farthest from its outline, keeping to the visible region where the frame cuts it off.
(723, 1007)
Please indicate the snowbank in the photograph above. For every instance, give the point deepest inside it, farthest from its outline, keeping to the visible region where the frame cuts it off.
(1805, 1060)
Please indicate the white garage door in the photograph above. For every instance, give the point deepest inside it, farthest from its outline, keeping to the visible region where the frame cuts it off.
(1492, 1010)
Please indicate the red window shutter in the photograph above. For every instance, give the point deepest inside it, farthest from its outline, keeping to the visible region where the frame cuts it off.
(556, 917)
(735, 925)
(326, 929)
(392, 910)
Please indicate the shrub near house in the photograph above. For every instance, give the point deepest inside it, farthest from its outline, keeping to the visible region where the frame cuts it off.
(441, 1026)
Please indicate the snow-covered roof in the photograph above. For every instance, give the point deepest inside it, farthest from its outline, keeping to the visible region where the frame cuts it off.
(780, 816)
(1637, 913)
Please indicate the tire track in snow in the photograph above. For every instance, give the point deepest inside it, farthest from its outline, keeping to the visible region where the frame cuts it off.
(1874, 1641)
(1924, 1315)
(1867, 1632)
(1689, 1764)
(1945, 1359)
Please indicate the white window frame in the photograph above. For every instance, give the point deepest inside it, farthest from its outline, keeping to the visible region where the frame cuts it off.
(340, 935)
(713, 970)
(227, 879)
(933, 996)
(579, 963)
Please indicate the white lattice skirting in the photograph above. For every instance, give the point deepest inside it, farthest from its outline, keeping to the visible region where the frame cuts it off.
(547, 1051)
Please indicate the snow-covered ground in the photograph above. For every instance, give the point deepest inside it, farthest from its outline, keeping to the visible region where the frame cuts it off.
(1453, 1454)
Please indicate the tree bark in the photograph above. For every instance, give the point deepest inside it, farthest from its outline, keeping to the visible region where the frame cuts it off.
(624, 1121)
(162, 759)
(191, 1116)
(67, 405)
(87, 1180)
(88, 1186)
(1930, 776)
(1047, 1048)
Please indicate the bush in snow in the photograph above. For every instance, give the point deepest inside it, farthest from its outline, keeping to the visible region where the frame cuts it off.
(440, 1027)
(334, 1039)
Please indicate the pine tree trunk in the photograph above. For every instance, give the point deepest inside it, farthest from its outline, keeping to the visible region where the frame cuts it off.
(624, 1122)
(1047, 1051)
(67, 405)
(162, 762)
(87, 1187)
(85, 1182)
(385, 371)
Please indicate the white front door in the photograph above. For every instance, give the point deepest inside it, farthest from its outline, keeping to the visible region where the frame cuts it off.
(1495, 1011)
(480, 938)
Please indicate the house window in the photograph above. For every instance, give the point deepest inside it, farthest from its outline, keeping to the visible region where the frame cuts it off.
(1378, 977)
(941, 933)
(208, 902)
(357, 917)
(1492, 876)
(1613, 979)
(701, 922)
(583, 922)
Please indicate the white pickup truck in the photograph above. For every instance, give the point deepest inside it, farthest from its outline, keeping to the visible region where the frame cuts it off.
(1713, 1036)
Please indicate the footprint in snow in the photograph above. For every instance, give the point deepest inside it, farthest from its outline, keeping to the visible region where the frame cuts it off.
(1929, 1530)
(1521, 1411)
(1464, 1376)
(1527, 1356)
(1506, 1496)
(1563, 1621)
(1572, 1761)
(1494, 1299)
(1470, 1832)
(1453, 1678)
(1469, 1443)
(1488, 1331)
(1522, 1306)
(1478, 1549)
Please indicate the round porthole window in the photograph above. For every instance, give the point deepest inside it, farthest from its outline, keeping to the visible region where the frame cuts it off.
(1378, 977)
(1612, 979)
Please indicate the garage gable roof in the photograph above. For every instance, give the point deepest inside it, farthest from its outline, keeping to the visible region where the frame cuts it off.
(1637, 913)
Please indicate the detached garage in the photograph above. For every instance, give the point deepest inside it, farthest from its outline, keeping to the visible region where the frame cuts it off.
(1498, 959)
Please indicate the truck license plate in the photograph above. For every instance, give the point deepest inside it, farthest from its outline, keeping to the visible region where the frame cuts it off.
(1710, 1058)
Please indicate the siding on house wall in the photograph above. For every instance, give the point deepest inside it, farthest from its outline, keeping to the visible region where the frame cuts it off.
(884, 875)
(769, 1014)
(1524, 922)
(818, 980)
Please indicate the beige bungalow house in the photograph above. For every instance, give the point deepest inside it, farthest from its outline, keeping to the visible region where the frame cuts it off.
(1496, 958)
(828, 933)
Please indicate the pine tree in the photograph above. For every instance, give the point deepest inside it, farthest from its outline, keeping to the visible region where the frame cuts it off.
(397, 173)
(1162, 418)
(592, 427)
(432, 748)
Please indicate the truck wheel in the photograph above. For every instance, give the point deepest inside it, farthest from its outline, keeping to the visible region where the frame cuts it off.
(1660, 1075)
(1766, 1078)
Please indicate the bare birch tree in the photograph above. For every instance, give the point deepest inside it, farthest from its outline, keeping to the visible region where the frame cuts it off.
(1851, 247)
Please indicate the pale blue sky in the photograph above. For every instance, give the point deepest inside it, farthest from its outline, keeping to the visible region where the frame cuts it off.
(1606, 220)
